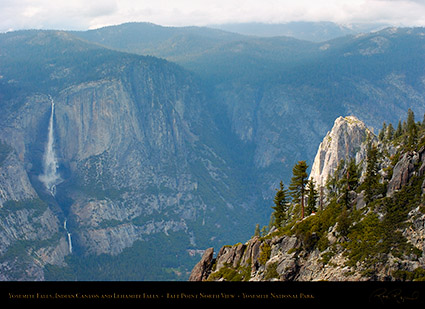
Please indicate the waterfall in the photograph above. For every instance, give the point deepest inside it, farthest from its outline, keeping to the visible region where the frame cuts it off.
(50, 177)
(69, 242)
(69, 237)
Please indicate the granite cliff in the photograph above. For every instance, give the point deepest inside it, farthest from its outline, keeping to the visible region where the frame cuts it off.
(347, 140)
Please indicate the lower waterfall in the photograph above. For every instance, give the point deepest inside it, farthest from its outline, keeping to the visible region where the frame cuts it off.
(69, 237)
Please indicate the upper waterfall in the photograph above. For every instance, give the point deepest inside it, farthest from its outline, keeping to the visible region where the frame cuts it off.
(50, 177)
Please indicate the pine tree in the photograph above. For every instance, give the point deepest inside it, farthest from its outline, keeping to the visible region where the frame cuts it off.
(390, 132)
(352, 175)
(412, 129)
(281, 205)
(312, 197)
(298, 184)
(349, 182)
(381, 135)
(410, 120)
(257, 230)
(371, 177)
(398, 131)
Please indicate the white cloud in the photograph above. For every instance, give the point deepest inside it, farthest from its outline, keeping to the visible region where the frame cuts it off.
(84, 14)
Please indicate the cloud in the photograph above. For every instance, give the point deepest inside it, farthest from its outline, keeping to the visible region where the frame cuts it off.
(58, 14)
(84, 14)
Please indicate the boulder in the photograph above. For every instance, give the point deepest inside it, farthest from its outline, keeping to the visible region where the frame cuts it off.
(403, 171)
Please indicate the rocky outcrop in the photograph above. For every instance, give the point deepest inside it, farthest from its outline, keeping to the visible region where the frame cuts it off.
(403, 171)
(278, 258)
(202, 269)
(406, 168)
(284, 258)
(345, 141)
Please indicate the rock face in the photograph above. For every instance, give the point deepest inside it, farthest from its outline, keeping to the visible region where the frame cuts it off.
(203, 268)
(282, 261)
(346, 140)
(405, 169)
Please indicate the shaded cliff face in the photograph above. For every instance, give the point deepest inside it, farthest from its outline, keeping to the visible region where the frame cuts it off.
(139, 153)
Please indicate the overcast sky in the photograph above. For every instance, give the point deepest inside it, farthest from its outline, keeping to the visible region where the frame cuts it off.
(90, 14)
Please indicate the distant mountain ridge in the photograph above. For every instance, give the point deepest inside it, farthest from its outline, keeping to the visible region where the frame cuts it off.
(309, 31)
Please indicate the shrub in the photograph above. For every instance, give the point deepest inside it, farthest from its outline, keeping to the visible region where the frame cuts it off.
(264, 253)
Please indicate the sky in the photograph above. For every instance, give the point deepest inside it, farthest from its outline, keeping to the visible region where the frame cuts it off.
(92, 14)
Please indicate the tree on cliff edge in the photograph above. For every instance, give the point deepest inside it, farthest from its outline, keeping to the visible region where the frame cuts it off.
(298, 183)
(281, 205)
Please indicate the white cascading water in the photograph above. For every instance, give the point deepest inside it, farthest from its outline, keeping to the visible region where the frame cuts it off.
(50, 177)
(69, 237)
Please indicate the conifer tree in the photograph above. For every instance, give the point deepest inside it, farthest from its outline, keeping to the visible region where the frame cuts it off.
(371, 177)
(410, 120)
(281, 205)
(257, 230)
(398, 131)
(350, 181)
(312, 197)
(298, 184)
(412, 129)
(381, 135)
(352, 175)
(390, 132)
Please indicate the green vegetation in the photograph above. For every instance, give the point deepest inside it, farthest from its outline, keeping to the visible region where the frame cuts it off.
(298, 184)
(37, 205)
(265, 251)
(228, 273)
(312, 197)
(281, 207)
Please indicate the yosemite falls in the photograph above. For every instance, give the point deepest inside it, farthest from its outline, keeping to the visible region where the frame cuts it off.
(50, 177)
